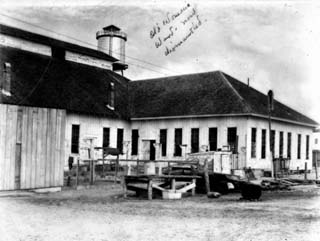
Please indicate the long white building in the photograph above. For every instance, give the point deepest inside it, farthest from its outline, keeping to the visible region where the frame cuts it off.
(160, 119)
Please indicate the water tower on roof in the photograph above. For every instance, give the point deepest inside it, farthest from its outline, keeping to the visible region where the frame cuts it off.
(112, 41)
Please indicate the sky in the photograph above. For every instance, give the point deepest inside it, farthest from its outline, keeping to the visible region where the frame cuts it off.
(276, 44)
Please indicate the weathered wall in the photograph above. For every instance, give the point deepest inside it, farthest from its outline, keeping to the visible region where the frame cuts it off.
(31, 147)
(93, 127)
(151, 130)
(278, 126)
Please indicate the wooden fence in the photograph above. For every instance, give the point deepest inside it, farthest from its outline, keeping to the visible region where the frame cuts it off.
(31, 147)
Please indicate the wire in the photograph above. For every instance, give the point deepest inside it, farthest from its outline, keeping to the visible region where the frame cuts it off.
(67, 36)
(37, 84)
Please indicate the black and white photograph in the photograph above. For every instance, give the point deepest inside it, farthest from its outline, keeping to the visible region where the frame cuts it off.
(159, 120)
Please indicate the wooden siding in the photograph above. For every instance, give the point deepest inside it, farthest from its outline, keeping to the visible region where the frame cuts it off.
(31, 147)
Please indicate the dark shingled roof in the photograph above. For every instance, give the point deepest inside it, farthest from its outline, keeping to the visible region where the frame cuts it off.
(42, 81)
(37, 38)
(211, 93)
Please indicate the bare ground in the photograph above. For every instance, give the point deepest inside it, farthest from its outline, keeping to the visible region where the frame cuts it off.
(102, 214)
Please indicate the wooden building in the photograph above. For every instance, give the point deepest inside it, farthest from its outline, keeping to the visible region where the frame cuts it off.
(54, 95)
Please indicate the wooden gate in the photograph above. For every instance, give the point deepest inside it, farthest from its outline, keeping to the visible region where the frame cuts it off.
(31, 147)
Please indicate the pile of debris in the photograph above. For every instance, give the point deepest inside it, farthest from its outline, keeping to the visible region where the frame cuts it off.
(285, 183)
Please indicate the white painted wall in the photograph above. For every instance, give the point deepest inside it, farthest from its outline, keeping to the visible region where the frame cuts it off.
(26, 45)
(93, 127)
(315, 141)
(150, 130)
(279, 126)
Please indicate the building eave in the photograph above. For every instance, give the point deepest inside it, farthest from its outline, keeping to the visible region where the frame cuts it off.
(222, 115)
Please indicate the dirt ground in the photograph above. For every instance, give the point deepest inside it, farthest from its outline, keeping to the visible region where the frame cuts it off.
(101, 213)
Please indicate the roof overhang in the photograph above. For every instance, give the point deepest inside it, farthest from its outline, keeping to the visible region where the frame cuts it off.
(225, 115)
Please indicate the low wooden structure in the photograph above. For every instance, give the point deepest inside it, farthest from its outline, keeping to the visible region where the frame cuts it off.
(153, 182)
(31, 147)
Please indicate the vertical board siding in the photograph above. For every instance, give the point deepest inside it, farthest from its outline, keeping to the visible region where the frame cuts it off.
(23, 176)
(31, 147)
(3, 116)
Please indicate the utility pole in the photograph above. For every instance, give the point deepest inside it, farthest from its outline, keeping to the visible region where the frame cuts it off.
(270, 109)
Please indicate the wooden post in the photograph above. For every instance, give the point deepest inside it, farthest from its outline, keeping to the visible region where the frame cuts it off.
(316, 164)
(116, 169)
(305, 171)
(150, 189)
(169, 168)
(193, 190)
(77, 172)
(103, 175)
(124, 185)
(206, 176)
(173, 184)
(91, 171)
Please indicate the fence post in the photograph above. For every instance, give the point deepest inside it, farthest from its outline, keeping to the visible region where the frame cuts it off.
(305, 171)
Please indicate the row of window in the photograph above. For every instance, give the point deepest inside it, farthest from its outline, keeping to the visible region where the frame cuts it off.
(213, 140)
(272, 143)
(75, 133)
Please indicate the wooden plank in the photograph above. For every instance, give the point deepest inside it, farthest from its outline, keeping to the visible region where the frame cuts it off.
(62, 145)
(39, 148)
(57, 150)
(43, 153)
(17, 168)
(3, 116)
(13, 134)
(34, 147)
(28, 163)
(7, 149)
(24, 148)
(53, 127)
(10, 147)
(48, 147)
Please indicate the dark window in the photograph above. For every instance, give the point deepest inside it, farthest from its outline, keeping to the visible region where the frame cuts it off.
(299, 147)
(307, 147)
(177, 142)
(163, 141)
(213, 139)
(111, 95)
(289, 146)
(58, 53)
(106, 137)
(194, 140)
(232, 139)
(263, 143)
(253, 142)
(75, 139)
(5, 82)
(273, 138)
(120, 140)
(134, 142)
(281, 144)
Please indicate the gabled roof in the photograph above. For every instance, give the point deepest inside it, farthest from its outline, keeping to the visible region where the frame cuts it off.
(37, 38)
(203, 94)
(42, 81)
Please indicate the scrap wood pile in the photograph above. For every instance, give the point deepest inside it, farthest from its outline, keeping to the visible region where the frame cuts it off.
(285, 183)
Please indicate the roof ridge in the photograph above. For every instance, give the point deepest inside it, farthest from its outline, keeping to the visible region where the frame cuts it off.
(247, 108)
(175, 76)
